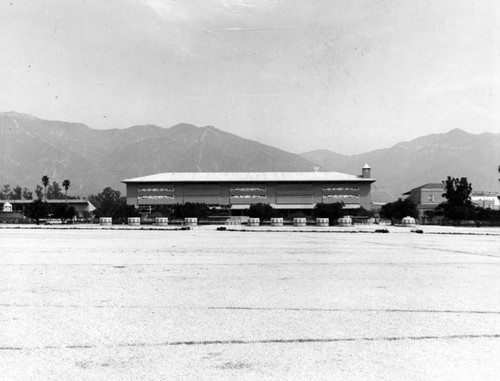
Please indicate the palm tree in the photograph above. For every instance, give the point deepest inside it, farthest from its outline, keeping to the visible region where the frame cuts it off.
(45, 182)
(65, 185)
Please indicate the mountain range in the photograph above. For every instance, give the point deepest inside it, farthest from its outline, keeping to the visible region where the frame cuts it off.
(94, 159)
(428, 159)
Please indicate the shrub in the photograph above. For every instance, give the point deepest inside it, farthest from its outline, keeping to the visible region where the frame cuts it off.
(397, 210)
(262, 211)
(189, 209)
(332, 211)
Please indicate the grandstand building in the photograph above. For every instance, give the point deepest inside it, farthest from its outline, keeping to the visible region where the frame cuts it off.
(239, 190)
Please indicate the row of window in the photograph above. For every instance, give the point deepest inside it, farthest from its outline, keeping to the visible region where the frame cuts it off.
(156, 197)
(340, 196)
(330, 189)
(279, 190)
(248, 196)
(248, 189)
(155, 190)
(245, 196)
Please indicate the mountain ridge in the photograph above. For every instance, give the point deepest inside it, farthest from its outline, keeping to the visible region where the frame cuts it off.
(93, 159)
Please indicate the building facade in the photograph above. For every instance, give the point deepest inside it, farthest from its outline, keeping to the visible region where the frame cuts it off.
(239, 190)
(427, 196)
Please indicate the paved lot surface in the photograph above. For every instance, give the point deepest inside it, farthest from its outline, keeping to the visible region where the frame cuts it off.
(205, 304)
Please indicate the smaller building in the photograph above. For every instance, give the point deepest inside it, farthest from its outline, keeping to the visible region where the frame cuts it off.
(21, 206)
(8, 215)
(427, 196)
(486, 200)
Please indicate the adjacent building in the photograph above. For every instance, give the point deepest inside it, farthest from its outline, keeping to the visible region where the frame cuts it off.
(239, 190)
(487, 200)
(427, 196)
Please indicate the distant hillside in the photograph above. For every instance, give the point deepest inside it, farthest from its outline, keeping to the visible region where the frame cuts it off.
(427, 159)
(93, 159)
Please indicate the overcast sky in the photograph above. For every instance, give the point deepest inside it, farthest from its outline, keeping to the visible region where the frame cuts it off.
(345, 75)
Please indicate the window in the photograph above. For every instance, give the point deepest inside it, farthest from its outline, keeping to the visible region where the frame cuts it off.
(156, 192)
(339, 192)
(248, 192)
(430, 198)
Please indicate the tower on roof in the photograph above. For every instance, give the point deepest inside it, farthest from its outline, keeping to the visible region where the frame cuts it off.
(366, 172)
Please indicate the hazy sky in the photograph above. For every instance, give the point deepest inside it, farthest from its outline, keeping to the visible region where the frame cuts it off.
(344, 75)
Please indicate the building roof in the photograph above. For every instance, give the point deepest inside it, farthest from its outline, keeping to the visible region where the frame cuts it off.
(484, 194)
(436, 186)
(70, 201)
(246, 177)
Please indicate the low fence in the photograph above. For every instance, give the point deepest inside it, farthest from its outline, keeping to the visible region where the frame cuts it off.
(239, 220)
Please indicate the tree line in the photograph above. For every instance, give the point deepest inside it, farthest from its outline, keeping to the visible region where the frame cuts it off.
(49, 191)
(40, 209)
(108, 203)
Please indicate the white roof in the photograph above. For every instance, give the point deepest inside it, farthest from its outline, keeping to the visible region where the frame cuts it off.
(245, 177)
(55, 201)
